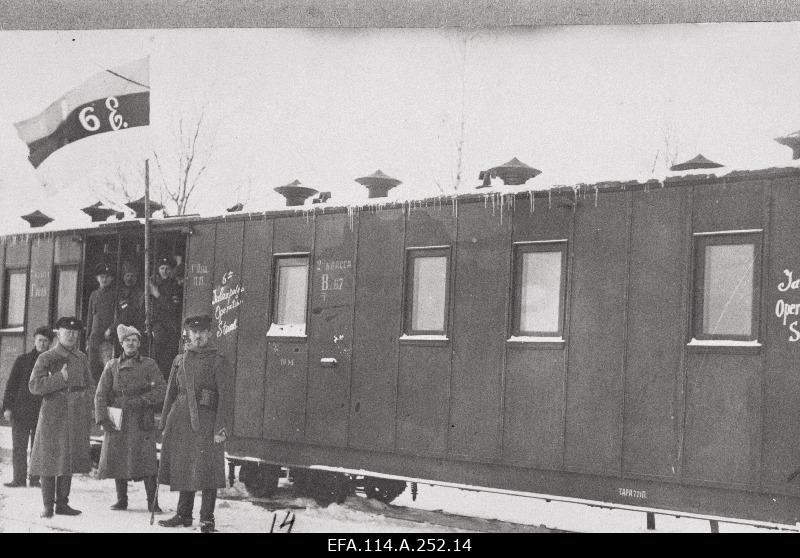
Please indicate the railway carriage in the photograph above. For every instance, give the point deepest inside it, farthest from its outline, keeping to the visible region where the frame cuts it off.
(626, 344)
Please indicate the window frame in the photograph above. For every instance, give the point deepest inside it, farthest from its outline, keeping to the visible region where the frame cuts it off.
(56, 283)
(276, 267)
(519, 251)
(726, 238)
(412, 254)
(7, 296)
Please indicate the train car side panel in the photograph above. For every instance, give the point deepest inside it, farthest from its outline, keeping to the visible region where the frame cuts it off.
(39, 287)
(252, 342)
(656, 324)
(596, 338)
(331, 329)
(379, 276)
(781, 444)
(287, 358)
(198, 285)
(67, 250)
(482, 262)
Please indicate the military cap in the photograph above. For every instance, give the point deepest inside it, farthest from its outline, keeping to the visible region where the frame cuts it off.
(200, 321)
(130, 267)
(165, 260)
(103, 268)
(45, 331)
(69, 322)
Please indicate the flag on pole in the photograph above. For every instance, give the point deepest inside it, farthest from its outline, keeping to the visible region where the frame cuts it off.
(115, 99)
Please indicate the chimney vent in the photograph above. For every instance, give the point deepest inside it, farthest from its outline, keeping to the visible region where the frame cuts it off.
(792, 141)
(378, 184)
(295, 193)
(698, 162)
(512, 173)
(98, 212)
(138, 207)
(37, 219)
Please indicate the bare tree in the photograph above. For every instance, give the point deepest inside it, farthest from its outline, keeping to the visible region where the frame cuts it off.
(194, 146)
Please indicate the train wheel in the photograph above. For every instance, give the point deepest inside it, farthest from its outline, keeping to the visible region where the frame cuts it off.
(384, 490)
(260, 479)
(325, 487)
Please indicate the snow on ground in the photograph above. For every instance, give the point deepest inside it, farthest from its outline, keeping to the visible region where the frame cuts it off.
(436, 509)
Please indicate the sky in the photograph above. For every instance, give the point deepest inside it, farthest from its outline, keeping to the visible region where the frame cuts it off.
(581, 103)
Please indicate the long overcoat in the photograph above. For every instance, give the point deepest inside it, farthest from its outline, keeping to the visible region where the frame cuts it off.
(190, 460)
(18, 399)
(61, 444)
(136, 385)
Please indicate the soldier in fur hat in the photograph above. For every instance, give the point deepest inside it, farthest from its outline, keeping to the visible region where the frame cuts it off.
(133, 383)
(196, 418)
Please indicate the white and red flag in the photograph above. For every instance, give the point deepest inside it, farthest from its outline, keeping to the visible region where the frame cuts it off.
(115, 99)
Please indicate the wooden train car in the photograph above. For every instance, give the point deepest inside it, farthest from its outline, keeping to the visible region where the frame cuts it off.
(631, 344)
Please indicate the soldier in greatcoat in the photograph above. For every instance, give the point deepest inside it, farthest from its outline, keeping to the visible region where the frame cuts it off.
(21, 407)
(133, 383)
(100, 320)
(61, 446)
(130, 303)
(167, 296)
(196, 418)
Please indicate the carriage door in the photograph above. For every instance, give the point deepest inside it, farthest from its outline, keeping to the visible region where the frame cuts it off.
(331, 329)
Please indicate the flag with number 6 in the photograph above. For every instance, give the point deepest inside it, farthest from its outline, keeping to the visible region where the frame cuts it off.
(112, 100)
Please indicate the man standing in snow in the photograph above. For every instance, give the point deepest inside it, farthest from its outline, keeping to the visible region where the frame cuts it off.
(196, 418)
(61, 445)
(21, 407)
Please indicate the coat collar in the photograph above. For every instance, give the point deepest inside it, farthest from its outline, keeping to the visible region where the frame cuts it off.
(64, 352)
(202, 350)
(128, 362)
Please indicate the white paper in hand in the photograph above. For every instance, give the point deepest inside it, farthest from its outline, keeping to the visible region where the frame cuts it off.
(115, 416)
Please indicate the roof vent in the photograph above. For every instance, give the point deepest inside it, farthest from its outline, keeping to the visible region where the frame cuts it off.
(37, 219)
(98, 212)
(295, 193)
(512, 173)
(378, 184)
(138, 207)
(322, 197)
(792, 141)
(238, 207)
(698, 162)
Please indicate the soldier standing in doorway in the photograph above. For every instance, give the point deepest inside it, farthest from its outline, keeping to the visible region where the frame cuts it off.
(100, 320)
(21, 407)
(130, 303)
(167, 298)
(196, 418)
(61, 445)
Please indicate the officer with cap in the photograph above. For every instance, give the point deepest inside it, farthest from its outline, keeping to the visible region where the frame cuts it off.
(130, 303)
(167, 297)
(61, 444)
(100, 320)
(196, 419)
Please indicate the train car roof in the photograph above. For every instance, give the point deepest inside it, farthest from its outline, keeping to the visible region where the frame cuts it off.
(70, 222)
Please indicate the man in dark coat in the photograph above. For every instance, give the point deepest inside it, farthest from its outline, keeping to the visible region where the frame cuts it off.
(100, 320)
(196, 418)
(133, 383)
(61, 446)
(130, 303)
(21, 407)
(167, 297)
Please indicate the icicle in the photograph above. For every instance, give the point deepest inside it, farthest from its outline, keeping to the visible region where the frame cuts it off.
(550, 199)
(501, 209)
(532, 199)
(493, 204)
(485, 201)
(596, 189)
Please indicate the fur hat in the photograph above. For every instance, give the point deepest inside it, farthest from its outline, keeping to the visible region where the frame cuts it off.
(124, 331)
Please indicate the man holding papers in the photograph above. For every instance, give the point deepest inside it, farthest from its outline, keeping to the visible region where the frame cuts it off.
(130, 390)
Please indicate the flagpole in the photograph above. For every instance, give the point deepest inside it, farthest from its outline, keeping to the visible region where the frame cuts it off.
(147, 321)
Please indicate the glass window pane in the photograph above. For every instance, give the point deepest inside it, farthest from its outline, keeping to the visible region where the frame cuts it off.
(728, 289)
(292, 286)
(15, 313)
(430, 282)
(540, 292)
(67, 285)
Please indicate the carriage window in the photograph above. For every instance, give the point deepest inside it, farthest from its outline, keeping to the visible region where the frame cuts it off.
(16, 293)
(66, 291)
(426, 292)
(539, 289)
(726, 287)
(290, 296)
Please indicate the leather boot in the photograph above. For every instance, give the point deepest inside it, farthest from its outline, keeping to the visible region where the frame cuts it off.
(207, 526)
(122, 495)
(176, 521)
(47, 513)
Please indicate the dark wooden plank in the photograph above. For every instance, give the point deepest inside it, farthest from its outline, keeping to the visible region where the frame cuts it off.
(596, 338)
(285, 391)
(68, 250)
(17, 252)
(728, 206)
(723, 418)
(294, 234)
(656, 323)
(198, 285)
(533, 430)
(422, 395)
(541, 220)
(379, 281)
(482, 269)
(40, 280)
(331, 329)
(252, 342)
(431, 226)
